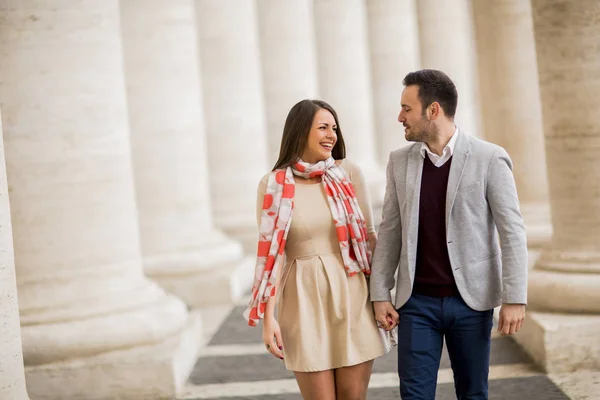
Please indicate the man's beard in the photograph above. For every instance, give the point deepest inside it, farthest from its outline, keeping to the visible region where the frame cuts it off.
(427, 132)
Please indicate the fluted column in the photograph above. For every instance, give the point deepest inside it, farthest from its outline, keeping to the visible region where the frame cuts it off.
(564, 288)
(12, 374)
(394, 48)
(181, 248)
(289, 62)
(447, 44)
(567, 35)
(512, 116)
(234, 112)
(345, 81)
(92, 325)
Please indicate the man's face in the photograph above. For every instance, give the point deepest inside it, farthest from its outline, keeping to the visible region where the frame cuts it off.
(417, 128)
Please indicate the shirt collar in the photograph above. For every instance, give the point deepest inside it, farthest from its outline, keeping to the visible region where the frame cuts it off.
(448, 149)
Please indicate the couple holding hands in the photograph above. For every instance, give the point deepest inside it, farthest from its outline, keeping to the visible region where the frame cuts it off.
(449, 198)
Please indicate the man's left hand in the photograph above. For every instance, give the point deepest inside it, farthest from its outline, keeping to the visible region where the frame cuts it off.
(511, 318)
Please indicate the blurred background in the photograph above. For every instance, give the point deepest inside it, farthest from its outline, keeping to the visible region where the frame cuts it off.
(134, 134)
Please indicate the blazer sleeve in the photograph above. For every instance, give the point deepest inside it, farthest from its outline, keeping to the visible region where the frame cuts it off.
(389, 242)
(502, 198)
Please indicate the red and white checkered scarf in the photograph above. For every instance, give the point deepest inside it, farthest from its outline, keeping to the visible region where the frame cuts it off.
(276, 218)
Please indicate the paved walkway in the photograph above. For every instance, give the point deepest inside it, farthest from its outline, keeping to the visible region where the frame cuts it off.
(235, 366)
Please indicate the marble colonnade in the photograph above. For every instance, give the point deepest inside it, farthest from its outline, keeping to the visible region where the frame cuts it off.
(103, 103)
(12, 373)
(561, 331)
(182, 250)
(510, 91)
(92, 324)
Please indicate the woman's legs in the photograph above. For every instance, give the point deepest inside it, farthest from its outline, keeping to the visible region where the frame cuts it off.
(316, 385)
(351, 383)
(347, 383)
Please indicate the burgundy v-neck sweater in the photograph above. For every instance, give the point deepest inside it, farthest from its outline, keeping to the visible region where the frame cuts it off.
(433, 275)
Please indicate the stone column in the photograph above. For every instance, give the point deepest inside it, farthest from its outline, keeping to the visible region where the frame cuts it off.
(447, 44)
(93, 326)
(181, 248)
(12, 374)
(289, 62)
(512, 116)
(565, 286)
(234, 113)
(345, 82)
(394, 46)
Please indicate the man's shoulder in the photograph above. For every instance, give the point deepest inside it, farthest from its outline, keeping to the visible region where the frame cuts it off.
(483, 149)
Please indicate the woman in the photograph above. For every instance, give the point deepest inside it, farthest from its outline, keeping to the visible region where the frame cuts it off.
(315, 220)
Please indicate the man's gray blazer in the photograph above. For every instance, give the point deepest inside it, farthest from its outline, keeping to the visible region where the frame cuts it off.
(481, 202)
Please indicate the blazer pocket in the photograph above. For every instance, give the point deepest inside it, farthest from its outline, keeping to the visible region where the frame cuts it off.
(471, 187)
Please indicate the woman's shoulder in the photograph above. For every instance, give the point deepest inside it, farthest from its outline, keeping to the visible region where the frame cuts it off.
(262, 184)
(265, 179)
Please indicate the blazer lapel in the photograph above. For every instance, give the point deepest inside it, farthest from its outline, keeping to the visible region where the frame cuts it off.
(414, 172)
(460, 156)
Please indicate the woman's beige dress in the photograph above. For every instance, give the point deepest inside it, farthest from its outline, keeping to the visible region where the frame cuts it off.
(326, 317)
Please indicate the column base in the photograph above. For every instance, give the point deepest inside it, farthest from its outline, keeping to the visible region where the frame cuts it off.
(568, 262)
(217, 274)
(564, 292)
(538, 234)
(222, 284)
(533, 255)
(242, 228)
(52, 342)
(561, 343)
(537, 224)
(144, 372)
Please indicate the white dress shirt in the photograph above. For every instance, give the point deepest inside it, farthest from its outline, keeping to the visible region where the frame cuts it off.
(438, 161)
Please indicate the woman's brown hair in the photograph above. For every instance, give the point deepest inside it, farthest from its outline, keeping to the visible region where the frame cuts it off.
(296, 129)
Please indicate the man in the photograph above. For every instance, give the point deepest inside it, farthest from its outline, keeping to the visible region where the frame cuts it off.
(448, 196)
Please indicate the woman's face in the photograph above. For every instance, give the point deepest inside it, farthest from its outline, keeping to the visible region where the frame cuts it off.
(321, 138)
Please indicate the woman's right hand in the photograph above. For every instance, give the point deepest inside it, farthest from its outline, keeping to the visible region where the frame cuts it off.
(386, 315)
(272, 337)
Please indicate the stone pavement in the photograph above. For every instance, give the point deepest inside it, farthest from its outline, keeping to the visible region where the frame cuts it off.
(235, 366)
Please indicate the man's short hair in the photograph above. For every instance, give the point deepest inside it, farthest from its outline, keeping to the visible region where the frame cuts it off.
(433, 86)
